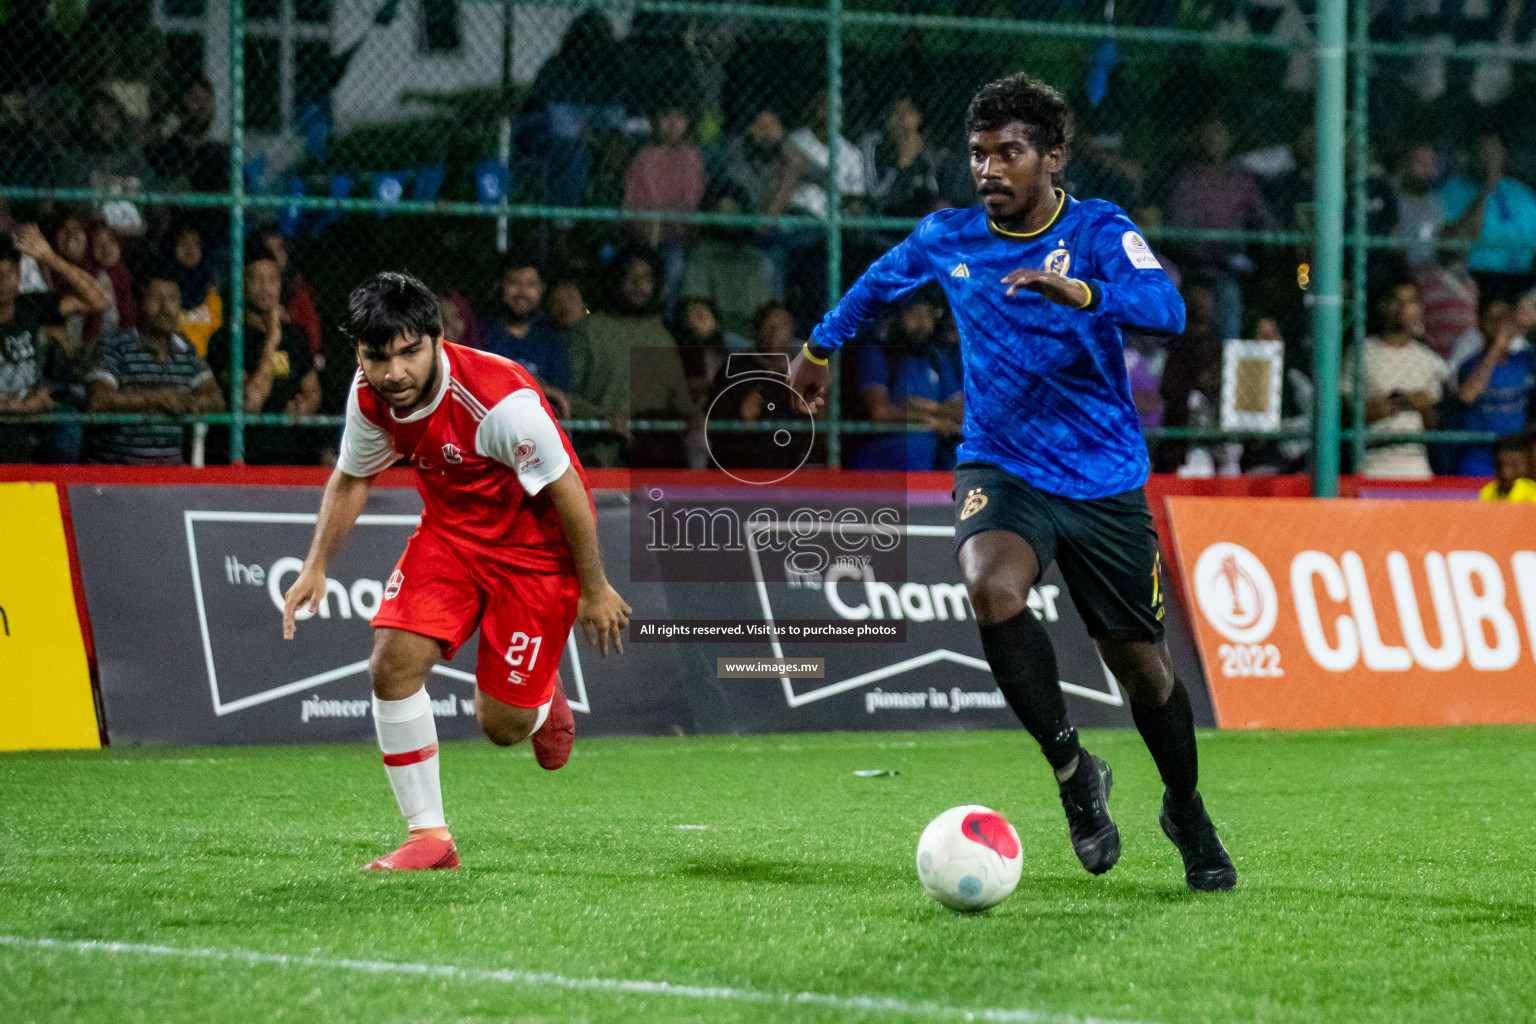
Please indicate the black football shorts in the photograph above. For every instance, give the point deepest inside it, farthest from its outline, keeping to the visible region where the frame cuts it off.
(1107, 547)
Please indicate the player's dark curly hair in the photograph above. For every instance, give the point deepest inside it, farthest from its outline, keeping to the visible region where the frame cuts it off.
(1020, 97)
(388, 305)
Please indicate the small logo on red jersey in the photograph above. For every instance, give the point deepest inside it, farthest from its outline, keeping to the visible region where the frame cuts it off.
(452, 455)
(392, 589)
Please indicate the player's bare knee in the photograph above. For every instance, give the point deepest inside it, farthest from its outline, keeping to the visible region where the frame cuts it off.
(397, 672)
(502, 724)
(503, 734)
(995, 597)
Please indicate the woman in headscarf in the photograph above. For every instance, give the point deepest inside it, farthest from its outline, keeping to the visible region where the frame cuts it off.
(202, 308)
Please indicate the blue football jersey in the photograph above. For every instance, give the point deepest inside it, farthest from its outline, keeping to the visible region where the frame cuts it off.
(1046, 392)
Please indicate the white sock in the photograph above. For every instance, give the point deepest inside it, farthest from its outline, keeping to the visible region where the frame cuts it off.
(408, 737)
(538, 723)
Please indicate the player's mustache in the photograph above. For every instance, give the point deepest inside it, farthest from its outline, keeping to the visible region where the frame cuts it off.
(997, 190)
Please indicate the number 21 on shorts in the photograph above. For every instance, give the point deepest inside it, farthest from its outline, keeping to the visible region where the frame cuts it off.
(521, 644)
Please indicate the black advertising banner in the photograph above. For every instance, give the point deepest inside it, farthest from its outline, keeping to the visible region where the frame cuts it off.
(184, 586)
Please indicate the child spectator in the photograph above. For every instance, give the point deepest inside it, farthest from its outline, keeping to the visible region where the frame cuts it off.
(1512, 471)
(202, 308)
(666, 176)
(702, 342)
(114, 278)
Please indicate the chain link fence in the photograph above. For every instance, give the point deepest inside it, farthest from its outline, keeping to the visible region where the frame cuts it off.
(755, 158)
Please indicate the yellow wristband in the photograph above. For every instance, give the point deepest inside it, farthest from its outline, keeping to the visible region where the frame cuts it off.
(806, 348)
(1087, 289)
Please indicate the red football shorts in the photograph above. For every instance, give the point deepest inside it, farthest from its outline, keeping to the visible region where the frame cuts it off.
(445, 591)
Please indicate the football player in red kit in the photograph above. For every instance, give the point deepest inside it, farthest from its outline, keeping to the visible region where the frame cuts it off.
(507, 544)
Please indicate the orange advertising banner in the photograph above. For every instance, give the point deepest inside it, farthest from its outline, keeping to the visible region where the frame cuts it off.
(1312, 614)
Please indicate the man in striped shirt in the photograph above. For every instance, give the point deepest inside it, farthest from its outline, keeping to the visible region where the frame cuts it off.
(149, 370)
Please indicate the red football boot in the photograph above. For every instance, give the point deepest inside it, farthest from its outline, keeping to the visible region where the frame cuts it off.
(552, 743)
(421, 853)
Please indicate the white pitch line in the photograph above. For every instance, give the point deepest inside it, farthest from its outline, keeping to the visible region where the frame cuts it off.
(625, 986)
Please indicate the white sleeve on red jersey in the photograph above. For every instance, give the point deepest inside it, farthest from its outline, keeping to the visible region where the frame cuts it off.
(366, 447)
(519, 433)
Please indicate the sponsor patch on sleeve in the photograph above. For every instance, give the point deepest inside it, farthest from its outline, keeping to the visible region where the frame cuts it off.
(1139, 251)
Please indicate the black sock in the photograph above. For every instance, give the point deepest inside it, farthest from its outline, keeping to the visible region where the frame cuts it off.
(1020, 653)
(1168, 730)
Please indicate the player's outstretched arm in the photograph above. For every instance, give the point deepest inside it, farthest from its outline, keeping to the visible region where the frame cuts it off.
(345, 496)
(809, 377)
(891, 278)
(603, 614)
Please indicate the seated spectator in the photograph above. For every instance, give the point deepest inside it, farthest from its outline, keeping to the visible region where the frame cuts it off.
(625, 364)
(1190, 386)
(570, 107)
(905, 379)
(78, 335)
(1512, 472)
(702, 343)
(517, 330)
(1097, 166)
(280, 372)
(114, 279)
(946, 344)
(1500, 214)
(1404, 382)
(726, 268)
(564, 303)
(27, 156)
(202, 308)
(901, 172)
(459, 324)
(666, 176)
(188, 160)
(1212, 192)
(73, 344)
(1145, 357)
(744, 388)
(1495, 386)
(298, 303)
(753, 158)
(1450, 303)
(149, 369)
(803, 185)
(110, 159)
(1420, 209)
(22, 319)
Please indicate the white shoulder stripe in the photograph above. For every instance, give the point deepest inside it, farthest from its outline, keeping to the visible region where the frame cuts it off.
(468, 400)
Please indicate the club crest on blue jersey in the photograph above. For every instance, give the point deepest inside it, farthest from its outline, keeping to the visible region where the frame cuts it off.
(1057, 262)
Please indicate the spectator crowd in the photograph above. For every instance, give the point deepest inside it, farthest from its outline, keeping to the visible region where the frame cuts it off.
(117, 307)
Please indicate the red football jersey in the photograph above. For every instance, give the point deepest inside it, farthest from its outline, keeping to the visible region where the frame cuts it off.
(483, 450)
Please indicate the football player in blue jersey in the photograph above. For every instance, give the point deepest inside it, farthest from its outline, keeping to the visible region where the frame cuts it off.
(1053, 462)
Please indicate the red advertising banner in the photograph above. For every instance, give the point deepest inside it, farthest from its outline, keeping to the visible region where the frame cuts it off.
(1311, 614)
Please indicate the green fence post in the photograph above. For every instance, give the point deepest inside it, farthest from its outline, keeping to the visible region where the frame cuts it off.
(236, 321)
(1360, 169)
(1328, 251)
(834, 217)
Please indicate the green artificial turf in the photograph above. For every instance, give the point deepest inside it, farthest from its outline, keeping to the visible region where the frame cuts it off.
(1384, 876)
